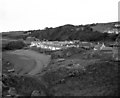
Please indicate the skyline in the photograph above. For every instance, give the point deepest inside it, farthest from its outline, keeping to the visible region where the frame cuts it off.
(22, 15)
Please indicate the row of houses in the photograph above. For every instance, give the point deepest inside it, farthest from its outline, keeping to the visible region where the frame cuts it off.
(86, 45)
(43, 46)
(53, 45)
(116, 31)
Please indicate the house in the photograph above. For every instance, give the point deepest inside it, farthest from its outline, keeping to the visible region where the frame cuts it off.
(117, 25)
(102, 47)
(29, 40)
(112, 31)
(33, 44)
(45, 45)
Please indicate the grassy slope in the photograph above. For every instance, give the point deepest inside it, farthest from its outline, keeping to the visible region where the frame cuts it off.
(98, 79)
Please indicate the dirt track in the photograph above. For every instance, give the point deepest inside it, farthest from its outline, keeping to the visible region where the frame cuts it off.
(27, 61)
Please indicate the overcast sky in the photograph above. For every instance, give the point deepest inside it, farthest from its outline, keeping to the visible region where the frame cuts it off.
(38, 14)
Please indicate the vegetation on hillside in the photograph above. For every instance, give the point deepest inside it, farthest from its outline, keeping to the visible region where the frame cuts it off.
(91, 32)
(12, 45)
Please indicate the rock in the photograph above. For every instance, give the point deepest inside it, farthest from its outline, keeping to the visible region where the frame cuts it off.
(35, 93)
(12, 91)
(11, 70)
(38, 93)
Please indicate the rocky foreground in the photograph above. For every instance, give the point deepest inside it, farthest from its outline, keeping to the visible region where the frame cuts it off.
(82, 74)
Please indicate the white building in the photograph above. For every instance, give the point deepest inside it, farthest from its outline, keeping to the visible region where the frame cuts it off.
(102, 47)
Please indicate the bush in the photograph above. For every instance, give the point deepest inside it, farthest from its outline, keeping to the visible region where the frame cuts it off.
(14, 45)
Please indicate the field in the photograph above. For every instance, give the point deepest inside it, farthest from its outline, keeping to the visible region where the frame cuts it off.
(26, 61)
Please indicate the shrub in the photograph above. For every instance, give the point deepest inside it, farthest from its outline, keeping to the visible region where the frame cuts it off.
(14, 45)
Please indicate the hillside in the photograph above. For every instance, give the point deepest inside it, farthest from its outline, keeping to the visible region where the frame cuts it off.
(80, 32)
(101, 27)
(71, 32)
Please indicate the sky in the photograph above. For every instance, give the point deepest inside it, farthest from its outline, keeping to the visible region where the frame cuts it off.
(24, 15)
